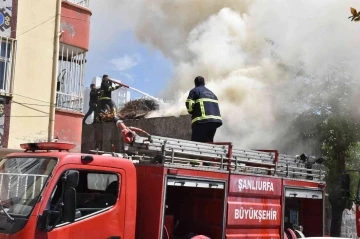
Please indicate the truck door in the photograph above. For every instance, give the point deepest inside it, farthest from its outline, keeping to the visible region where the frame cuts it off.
(304, 211)
(100, 204)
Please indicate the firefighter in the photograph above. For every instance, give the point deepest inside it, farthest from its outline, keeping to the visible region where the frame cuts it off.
(203, 106)
(94, 94)
(105, 94)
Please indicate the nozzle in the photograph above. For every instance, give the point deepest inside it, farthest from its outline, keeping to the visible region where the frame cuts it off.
(127, 135)
(120, 124)
(116, 119)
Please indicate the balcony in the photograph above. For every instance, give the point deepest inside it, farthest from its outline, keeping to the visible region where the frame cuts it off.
(70, 78)
(82, 3)
(75, 23)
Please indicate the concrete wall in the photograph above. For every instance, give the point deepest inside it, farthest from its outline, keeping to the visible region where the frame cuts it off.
(68, 126)
(103, 135)
(348, 223)
(35, 36)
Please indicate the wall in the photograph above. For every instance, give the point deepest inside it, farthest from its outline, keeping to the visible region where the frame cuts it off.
(31, 100)
(75, 24)
(103, 135)
(348, 223)
(68, 128)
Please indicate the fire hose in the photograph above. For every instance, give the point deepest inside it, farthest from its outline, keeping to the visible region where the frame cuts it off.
(134, 89)
(129, 133)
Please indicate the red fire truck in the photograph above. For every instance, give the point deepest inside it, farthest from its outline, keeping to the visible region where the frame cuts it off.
(159, 188)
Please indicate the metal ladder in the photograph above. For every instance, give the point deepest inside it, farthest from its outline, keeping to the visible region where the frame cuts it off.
(220, 156)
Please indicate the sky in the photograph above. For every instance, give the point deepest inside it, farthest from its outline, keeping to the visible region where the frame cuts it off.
(256, 56)
(122, 57)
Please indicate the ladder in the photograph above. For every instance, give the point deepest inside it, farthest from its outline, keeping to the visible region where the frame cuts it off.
(220, 156)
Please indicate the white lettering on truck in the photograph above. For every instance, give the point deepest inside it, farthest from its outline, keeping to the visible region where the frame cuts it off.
(255, 185)
(256, 214)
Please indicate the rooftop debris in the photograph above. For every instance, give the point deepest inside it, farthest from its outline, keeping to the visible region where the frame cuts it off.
(137, 109)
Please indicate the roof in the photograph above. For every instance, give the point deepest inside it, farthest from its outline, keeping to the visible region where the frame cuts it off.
(79, 158)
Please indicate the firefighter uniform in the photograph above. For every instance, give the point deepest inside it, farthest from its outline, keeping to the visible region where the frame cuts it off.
(203, 106)
(105, 96)
(94, 94)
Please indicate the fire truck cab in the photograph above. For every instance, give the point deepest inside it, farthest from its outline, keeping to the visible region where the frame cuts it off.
(161, 188)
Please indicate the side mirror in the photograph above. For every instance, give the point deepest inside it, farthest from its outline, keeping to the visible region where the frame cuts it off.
(46, 221)
(345, 185)
(69, 209)
(71, 178)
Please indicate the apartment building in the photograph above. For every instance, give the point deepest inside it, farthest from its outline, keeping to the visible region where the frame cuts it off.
(42, 69)
(120, 97)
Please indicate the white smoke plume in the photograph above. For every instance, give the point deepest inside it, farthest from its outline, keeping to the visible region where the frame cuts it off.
(241, 47)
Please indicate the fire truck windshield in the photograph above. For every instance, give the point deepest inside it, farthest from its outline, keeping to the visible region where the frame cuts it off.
(21, 182)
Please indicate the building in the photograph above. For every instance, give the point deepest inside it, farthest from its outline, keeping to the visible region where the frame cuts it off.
(41, 98)
(120, 97)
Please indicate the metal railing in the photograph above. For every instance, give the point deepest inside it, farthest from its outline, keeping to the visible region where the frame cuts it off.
(70, 82)
(83, 3)
(222, 164)
(70, 102)
(25, 186)
(7, 63)
(221, 156)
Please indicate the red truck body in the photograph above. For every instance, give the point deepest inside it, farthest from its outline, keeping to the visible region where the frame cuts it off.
(155, 200)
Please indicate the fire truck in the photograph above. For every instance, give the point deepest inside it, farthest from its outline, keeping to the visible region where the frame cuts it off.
(159, 188)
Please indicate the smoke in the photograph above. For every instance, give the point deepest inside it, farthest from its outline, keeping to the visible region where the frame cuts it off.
(253, 54)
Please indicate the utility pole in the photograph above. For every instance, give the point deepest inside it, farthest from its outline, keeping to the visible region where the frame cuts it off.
(54, 71)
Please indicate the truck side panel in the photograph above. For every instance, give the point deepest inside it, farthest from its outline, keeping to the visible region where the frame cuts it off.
(254, 207)
(198, 209)
(310, 221)
(150, 190)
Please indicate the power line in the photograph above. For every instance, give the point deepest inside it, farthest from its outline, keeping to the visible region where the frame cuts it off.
(30, 107)
(17, 35)
(47, 104)
(75, 18)
(23, 103)
(32, 98)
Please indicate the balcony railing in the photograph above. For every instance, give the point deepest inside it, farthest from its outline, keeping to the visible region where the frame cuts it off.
(70, 83)
(83, 3)
(70, 102)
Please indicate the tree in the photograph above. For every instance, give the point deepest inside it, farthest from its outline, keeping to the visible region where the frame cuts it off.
(328, 118)
(326, 124)
(353, 163)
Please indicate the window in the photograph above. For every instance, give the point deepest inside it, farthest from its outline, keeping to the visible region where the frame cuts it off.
(21, 182)
(70, 78)
(100, 181)
(7, 49)
(96, 191)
